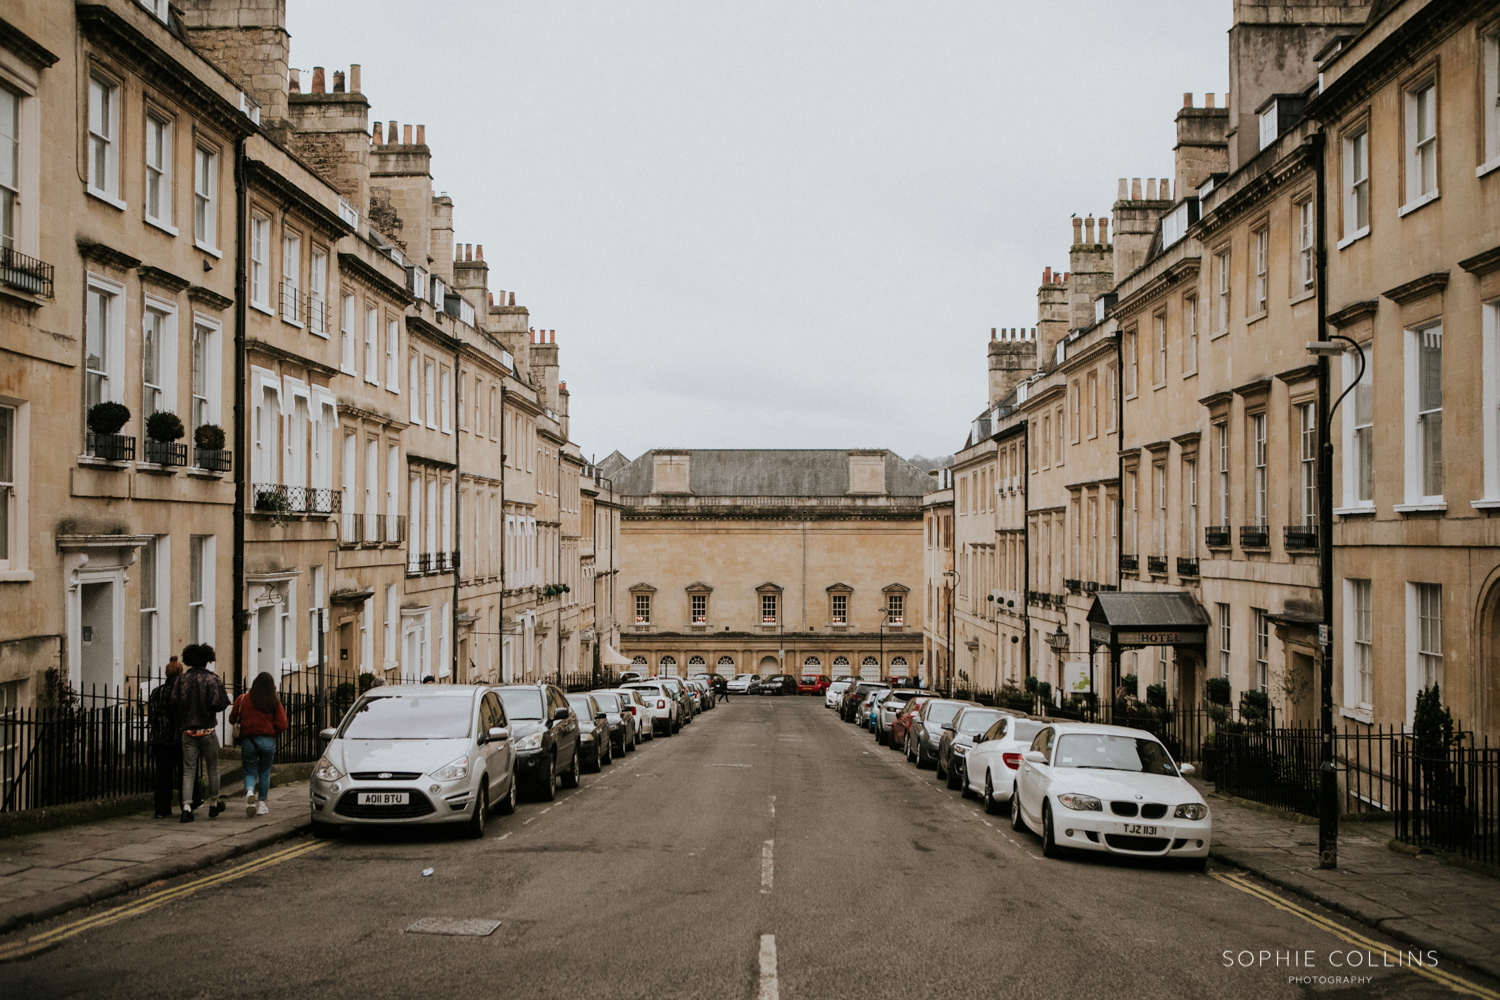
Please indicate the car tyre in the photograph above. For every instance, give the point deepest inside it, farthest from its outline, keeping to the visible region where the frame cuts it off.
(326, 831)
(609, 752)
(990, 805)
(475, 827)
(961, 782)
(507, 805)
(674, 727)
(923, 761)
(1017, 819)
(911, 755)
(596, 762)
(548, 791)
(1049, 839)
(570, 780)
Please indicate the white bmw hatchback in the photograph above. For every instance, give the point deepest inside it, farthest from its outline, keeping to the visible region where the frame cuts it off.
(1109, 789)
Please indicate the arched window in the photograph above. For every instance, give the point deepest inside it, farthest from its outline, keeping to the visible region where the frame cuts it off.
(869, 669)
(696, 661)
(840, 665)
(899, 667)
(726, 666)
(811, 665)
(668, 665)
(639, 661)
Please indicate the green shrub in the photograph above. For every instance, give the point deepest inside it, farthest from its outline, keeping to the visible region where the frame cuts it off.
(108, 418)
(1131, 684)
(1031, 684)
(209, 437)
(1156, 695)
(366, 681)
(1044, 691)
(1255, 706)
(1218, 690)
(1432, 724)
(164, 425)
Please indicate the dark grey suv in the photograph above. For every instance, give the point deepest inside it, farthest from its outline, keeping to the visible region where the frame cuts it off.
(926, 732)
(544, 733)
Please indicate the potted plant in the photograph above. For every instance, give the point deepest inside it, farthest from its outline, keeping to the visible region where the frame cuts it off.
(1156, 695)
(208, 442)
(1210, 758)
(1217, 690)
(105, 440)
(269, 500)
(163, 430)
(1255, 706)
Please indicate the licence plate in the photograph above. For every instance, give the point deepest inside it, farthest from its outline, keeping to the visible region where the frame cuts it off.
(383, 798)
(1145, 831)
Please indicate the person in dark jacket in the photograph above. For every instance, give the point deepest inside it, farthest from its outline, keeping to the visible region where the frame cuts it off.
(166, 740)
(197, 699)
(261, 719)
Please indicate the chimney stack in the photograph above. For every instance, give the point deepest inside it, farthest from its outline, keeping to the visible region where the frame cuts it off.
(421, 135)
(294, 81)
(317, 87)
(354, 79)
(1012, 360)
(378, 138)
(338, 81)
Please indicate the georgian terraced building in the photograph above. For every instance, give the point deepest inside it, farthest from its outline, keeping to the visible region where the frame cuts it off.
(799, 562)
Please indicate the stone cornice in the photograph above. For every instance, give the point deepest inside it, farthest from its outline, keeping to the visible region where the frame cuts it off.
(1353, 313)
(328, 222)
(289, 357)
(1415, 289)
(106, 255)
(162, 279)
(1482, 263)
(23, 45)
(210, 298)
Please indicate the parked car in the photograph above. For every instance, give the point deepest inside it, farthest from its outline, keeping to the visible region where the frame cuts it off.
(621, 722)
(594, 742)
(745, 684)
(678, 691)
(435, 754)
(715, 684)
(631, 676)
(990, 767)
(666, 711)
(1110, 789)
(892, 706)
(836, 691)
(779, 684)
(901, 724)
(871, 708)
(813, 684)
(705, 693)
(546, 737)
(855, 696)
(958, 738)
(639, 711)
(926, 730)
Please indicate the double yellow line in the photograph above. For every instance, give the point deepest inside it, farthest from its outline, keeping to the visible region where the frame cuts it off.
(1448, 979)
(49, 939)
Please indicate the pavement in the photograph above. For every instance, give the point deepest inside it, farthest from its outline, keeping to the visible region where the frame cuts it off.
(44, 874)
(768, 851)
(1415, 899)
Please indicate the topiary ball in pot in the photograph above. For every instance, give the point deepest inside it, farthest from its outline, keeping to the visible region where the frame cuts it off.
(209, 437)
(108, 417)
(164, 426)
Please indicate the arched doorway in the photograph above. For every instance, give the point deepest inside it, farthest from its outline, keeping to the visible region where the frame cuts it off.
(726, 667)
(1487, 629)
(769, 666)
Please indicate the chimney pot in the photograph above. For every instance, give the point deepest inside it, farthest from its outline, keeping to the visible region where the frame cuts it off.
(338, 81)
(294, 81)
(1046, 275)
(1187, 100)
(1104, 229)
(406, 135)
(354, 78)
(1124, 191)
(1077, 230)
(1135, 189)
(390, 132)
(479, 251)
(317, 87)
(1165, 191)
(1088, 229)
(1150, 188)
(379, 135)
(468, 251)
(492, 298)
(1208, 100)
(992, 333)
(512, 298)
(421, 135)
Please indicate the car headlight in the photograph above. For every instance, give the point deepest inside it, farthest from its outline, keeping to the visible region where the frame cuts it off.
(1082, 803)
(960, 749)
(529, 742)
(586, 736)
(453, 771)
(325, 771)
(1191, 810)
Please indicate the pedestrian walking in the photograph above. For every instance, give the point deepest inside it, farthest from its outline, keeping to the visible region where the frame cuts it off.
(166, 740)
(721, 689)
(197, 699)
(261, 719)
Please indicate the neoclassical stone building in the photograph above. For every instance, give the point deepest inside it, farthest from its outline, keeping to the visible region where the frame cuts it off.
(767, 561)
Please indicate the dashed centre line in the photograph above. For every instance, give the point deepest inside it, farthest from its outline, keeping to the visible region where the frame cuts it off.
(767, 865)
(770, 989)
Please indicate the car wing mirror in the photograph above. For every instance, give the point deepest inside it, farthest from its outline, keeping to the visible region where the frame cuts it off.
(949, 726)
(1186, 769)
(1034, 757)
(497, 734)
(559, 714)
(328, 734)
(602, 715)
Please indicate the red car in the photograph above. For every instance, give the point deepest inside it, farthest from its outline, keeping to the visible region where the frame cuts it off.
(902, 722)
(813, 685)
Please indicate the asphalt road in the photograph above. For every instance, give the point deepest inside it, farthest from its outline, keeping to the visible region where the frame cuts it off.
(768, 851)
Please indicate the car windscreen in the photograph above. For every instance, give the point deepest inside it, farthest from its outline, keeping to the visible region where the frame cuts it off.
(1024, 731)
(867, 688)
(943, 711)
(1106, 752)
(974, 723)
(522, 704)
(607, 702)
(408, 717)
(650, 690)
(580, 706)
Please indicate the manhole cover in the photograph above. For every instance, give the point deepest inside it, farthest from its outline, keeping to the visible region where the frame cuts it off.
(458, 928)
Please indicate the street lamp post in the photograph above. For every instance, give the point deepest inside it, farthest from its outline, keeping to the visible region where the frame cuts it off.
(1059, 642)
(885, 613)
(952, 577)
(1328, 787)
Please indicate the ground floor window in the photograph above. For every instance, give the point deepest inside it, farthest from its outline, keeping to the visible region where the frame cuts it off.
(869, 670)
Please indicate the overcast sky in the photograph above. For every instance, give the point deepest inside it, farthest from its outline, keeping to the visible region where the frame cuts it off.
(776, 224)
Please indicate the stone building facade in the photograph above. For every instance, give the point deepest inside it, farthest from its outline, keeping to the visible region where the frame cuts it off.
(764, 562)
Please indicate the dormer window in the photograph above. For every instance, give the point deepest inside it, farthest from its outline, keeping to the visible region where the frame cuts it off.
(1268, 130)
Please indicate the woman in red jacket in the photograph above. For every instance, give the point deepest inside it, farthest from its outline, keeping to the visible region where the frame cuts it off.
(261, 718)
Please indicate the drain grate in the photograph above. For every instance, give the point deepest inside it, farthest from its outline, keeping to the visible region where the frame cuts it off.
(454, 928)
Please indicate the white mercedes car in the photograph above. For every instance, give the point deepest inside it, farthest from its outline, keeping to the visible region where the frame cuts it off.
(991, 765)
(1110, 789)
(836, 689)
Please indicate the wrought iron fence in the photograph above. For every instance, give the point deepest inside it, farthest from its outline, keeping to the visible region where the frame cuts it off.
(26, 273)
(1217, 537)
(278, 498)
(214, 459)
(111, 447)
(166, 452)
(1450, 802)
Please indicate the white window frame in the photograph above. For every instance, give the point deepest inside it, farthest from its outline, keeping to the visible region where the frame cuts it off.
(1225, 618)
(392, 478)
(1159, 325)
(1262, 678)
(1190, 334)
(1267, 123)
(1258, 456)
(445, 399)
(206, 200)
(1359, 649)
(317, 293)
(372, 336)
(1421, 121)
(15, 493)
(291, 277)
(113, 359)
(1307, 245)
(164, 389)
(1489, 102)
(372, 489)
(413, 521)
(429, 391)
(1221, 434)
(15, 152)
(1419, 422)
(159, 172)
(1354, 430)
(1356, 163)
(104, 140)
(1424, 640)
(265, 425)
(202, 565)
(1262, 270)
(205, 394)
(1490, 402)
(260, 267)
(1222, 288)
(1307, 462)
(392, 355)
(1190, 487)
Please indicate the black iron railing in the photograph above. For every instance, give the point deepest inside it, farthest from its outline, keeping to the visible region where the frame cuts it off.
(278, 498)
(1254, 537)
(1156, 564)
(1302, 538)
(166, 452)
(25, 273)
(1073, 586)
(291, 303)
(1218, 537)
(1130, 563)
(214, 459)
(1187, 567)
(1451, 801)
(111, 447)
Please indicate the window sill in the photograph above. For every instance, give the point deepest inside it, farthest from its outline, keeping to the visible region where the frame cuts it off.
(1155, 387)
(324, 334)
(1485, 504)
(1412, 206)
(156, 469)
(347, 370)
(1419, 508)
(1302, 296)
(394, 390)
(1353, 237)
(1190, 374)
(1256, 318)
(1354, 511)
(108, 199)
(198, 473)
(17, 576)
(372, 381)
(102, 463)
(211, 251)
(1218, 333)
(262, 309)
(292, 322)
(1364, 715)
(165, 227)
(1487, 167)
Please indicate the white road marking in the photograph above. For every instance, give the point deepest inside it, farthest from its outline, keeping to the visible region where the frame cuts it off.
(545, 811)
(502, 836)
(987, 823)
(769, 989)
(528, 821)
(767, 865)
(773, 807)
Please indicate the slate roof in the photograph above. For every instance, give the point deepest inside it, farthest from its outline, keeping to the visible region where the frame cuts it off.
(772, 472)
(1148, 610)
